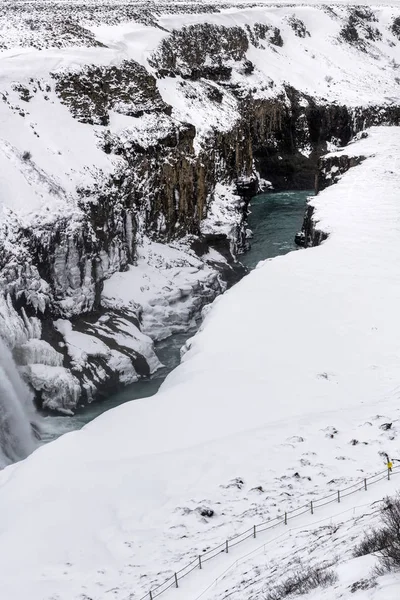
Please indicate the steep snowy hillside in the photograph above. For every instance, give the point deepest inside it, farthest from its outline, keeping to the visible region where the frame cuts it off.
(132, 136)
(289, 392)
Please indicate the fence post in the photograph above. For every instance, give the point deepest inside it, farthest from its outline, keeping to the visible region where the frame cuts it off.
(151, 595)
(254, 531)
(312, 507)
(199, 561)
(176, 580)
(226, 547)
(285, 518)
(365, 484)
(338, 496)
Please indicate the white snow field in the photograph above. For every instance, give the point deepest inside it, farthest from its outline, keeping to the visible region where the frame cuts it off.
(284, 396)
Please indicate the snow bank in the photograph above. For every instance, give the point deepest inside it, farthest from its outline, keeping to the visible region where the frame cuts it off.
(284, 395)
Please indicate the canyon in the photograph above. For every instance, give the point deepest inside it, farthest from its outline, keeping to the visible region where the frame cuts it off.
(133, 138)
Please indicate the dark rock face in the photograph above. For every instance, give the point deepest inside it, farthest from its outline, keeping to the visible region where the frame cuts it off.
(298, 27)
(72, 258)
(60, 31)
(261, 34)
(281, 129)
(310, 235)
(91, 93)
(395, 27)
(202, 50)
(331, 168)
(164, 184)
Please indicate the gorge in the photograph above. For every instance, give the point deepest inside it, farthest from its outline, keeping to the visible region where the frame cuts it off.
(274, 219)
(180, 115)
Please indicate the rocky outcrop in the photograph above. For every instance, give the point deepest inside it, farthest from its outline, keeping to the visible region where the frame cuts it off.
(330, 169)
(310, 235)
(93, 92)
(359, 29)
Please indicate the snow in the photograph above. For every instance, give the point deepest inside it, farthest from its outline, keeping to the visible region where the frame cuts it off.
(168, 283)
(191, 103)
(59, 389)
(290, 366)
(38, 351)
(356, 76)
(41, 189)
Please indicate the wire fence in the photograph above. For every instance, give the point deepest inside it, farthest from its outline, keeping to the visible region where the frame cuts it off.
(309, 508)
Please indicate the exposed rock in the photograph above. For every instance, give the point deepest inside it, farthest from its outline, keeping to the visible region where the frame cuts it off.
(92, 92)
(261, 32)
(358, 30)
(395, 27)
(258, 489)
(234, 483)
(166, 181)
(332, 167)
(363, 584)
(386, 426)
(201, 50)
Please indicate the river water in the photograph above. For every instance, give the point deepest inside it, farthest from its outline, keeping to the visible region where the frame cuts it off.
(274, 219)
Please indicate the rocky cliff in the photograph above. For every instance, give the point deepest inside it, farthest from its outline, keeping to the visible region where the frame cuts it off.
(134, 137)
(330, 169)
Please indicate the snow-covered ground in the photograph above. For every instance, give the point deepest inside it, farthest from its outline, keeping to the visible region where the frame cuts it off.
(285, 395)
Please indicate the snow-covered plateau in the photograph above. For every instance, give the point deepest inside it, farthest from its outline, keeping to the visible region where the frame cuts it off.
(132, 136)
(289, 391)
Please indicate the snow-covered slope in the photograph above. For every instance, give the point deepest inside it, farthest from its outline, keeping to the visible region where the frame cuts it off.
(284, 396)
(125, 124)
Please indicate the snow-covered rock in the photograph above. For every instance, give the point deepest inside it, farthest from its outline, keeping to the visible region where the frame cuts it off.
(170, 284)
(17, 415)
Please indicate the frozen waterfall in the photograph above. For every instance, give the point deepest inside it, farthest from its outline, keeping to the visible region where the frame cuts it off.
(17, 438)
